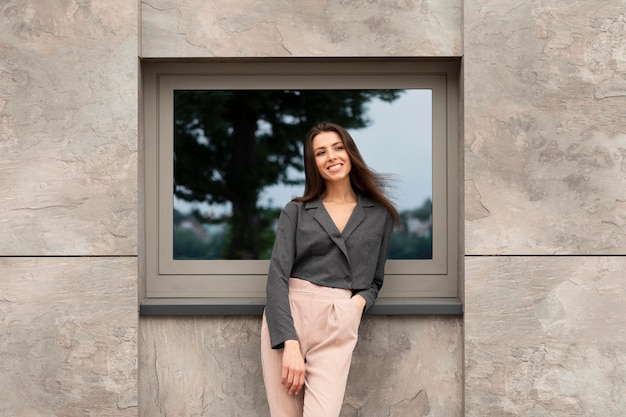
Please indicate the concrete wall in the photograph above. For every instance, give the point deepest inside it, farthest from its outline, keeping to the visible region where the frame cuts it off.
(300, 28)
(68, 216)
(545, 198)
(544, 332)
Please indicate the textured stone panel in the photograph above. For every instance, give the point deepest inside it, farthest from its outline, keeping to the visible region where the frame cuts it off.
(193, 366)
(301, 28)
(545, 127)
(211, 366)
(407, 366)
(545, 336)
(68, 127)
(68, 337)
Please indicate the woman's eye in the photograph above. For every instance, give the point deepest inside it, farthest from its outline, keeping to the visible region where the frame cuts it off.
(320, 153)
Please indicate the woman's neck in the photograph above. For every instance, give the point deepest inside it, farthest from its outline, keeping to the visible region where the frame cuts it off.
(339, 193)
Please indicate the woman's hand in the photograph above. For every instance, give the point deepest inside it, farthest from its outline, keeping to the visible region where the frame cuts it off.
(360, 301)
(292, 377)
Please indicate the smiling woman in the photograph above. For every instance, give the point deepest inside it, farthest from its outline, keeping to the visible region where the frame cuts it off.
(345, 210)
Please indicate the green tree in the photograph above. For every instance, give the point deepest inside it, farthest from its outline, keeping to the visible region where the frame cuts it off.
(229, 145)
(407, 245)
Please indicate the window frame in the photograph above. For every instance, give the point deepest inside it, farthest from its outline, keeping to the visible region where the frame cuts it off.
(237, 286)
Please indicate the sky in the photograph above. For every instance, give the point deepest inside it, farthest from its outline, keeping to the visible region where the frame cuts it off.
(397, 142)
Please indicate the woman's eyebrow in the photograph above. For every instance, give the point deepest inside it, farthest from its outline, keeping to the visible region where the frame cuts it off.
(334, 144)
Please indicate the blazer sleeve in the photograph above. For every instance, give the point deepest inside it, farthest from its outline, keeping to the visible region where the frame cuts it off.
(371, 293)
(277, 310)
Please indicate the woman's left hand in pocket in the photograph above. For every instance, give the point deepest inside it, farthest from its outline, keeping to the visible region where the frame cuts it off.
(360, 302)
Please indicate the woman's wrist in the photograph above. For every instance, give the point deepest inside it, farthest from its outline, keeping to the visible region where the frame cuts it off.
(292, 344)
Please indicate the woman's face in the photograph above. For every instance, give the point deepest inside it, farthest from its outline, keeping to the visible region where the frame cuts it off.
(331, 157)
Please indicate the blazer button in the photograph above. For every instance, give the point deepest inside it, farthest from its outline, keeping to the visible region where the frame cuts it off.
(348, 278)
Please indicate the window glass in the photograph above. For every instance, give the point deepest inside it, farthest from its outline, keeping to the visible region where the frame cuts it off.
(238, 161)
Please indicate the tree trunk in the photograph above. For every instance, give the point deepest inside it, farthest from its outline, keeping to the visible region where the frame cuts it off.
(243, 183)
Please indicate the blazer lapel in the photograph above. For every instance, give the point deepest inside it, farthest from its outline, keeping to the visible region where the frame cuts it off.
(358, 215)
(324, 220)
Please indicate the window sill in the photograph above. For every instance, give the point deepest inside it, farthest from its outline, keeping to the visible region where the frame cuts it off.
(255, 306)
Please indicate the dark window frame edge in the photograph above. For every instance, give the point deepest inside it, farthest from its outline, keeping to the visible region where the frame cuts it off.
(254, 307)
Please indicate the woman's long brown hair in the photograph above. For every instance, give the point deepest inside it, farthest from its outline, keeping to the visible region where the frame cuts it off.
(363, 180)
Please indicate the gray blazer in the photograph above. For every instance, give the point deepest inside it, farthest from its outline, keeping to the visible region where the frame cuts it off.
(309, 246)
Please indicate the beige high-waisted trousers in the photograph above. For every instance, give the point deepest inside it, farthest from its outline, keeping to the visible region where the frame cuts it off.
(327, 323)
